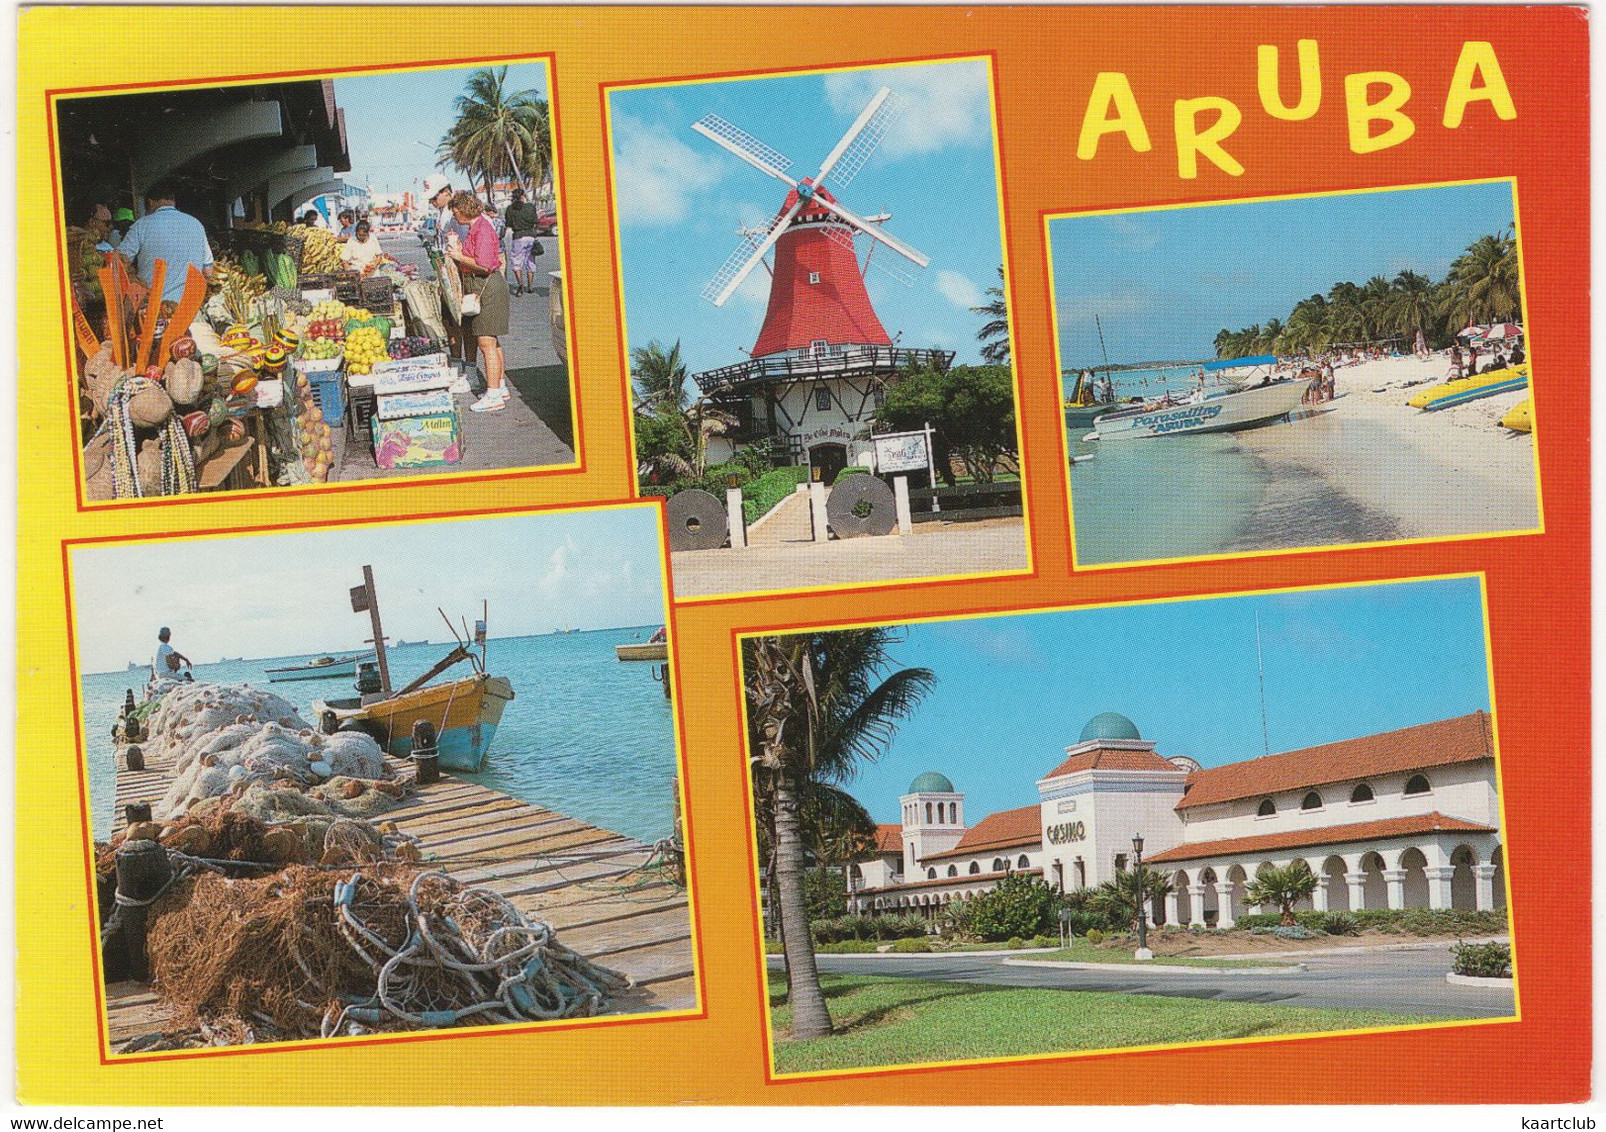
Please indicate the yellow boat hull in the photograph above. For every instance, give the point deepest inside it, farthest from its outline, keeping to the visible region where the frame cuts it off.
(465, 714)
(1460, 389)
(1520, 418)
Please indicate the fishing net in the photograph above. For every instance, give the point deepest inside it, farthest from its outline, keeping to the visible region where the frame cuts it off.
(319, 953)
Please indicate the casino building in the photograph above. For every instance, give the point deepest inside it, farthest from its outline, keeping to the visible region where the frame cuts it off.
(1403, 819)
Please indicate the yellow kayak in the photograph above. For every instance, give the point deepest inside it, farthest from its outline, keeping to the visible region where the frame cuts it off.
(1459, 390)
(1521, 417)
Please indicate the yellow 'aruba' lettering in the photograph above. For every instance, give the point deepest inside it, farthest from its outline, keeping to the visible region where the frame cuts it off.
(1193, 143)
(1477, 61)
(1111, 90)
(1363, 112)
(1310, 83)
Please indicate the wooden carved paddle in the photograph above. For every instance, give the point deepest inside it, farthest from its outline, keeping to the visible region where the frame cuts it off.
(153, 310)
(189, 305)
(88, 340)
(114, 314)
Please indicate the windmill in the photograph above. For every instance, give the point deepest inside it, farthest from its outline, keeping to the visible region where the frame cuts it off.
(817, 293)
(818, 371)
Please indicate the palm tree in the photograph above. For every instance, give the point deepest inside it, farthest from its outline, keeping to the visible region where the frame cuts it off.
(1410, 304)
(1117, 899)
(994, 334)
(500, 133)
(819, 704)
(1483, 282)
(664, 396)
(1283, 888)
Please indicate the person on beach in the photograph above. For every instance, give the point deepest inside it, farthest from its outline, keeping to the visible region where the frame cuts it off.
(168, 661)
(1517, 356)
(1455, 362)
(479, 260)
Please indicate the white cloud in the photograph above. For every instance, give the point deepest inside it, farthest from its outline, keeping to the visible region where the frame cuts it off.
(1134, 235)
(959, 290)
(657, 173)
(943, 105)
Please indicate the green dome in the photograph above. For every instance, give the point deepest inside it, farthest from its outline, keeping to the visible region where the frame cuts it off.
(1109, 725)
(931, 783)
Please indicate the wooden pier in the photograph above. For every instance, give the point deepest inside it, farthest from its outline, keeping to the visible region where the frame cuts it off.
(584, 881)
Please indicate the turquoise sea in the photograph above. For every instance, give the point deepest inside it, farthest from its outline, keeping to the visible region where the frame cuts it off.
(585, 735)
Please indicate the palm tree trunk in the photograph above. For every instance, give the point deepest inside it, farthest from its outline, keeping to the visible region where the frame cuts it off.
(810, 1019)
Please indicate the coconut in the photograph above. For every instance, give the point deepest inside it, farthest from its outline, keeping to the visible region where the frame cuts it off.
(185, 380)
(151, 406)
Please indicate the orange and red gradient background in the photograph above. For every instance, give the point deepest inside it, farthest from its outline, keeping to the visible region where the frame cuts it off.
(1045, 60)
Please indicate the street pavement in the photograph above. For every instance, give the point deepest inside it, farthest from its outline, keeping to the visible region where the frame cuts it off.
(536, 428)
(1407, 982)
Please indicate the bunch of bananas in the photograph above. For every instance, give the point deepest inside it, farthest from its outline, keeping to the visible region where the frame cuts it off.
(320, 250)
(238, 288)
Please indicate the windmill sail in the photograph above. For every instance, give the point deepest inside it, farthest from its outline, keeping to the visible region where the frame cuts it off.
(860, 149)
(765, 158)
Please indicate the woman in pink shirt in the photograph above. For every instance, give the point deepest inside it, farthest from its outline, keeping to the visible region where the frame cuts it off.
(479, 261)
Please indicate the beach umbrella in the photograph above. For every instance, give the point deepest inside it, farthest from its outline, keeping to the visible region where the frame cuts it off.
(1472, 332)
(1501, 330)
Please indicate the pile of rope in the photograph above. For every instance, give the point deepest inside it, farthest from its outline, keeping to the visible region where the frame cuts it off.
(312, 952)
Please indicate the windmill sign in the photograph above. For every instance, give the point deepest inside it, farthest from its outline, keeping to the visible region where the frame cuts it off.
(822, 357)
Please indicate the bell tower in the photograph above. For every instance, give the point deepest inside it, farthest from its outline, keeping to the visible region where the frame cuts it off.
(933, 820)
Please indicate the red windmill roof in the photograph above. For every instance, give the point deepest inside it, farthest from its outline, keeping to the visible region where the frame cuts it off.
(817, 290)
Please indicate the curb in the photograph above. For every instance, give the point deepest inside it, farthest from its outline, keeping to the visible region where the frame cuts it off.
(1478, 981)
(921, 954)
(1418, 945)
(1159, 968)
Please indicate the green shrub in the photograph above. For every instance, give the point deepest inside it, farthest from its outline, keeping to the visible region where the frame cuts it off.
(1482, 960)
(1015, 943)
(1095, 937)
(1340, 923)
(1017, 907)
(1395, 921)
(1081, 922)
(1043, 941)
(912, 946)
(847, 947)
(762, 495)
(846, 472)
(774, 947)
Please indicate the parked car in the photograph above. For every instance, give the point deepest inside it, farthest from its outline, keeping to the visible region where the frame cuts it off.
(546, 222)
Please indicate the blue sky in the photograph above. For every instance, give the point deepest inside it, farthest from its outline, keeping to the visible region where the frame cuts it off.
(388, 115)
(287, 594)
(1013, 692)
(681, 199)
(1163, 283)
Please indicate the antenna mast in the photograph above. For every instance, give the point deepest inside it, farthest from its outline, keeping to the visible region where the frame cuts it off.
(1260, 663)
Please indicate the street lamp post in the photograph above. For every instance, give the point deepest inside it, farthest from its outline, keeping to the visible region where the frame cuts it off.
(1143, 951)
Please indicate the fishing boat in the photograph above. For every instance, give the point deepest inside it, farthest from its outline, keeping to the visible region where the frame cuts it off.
(1235, 404)
(1086, 401)
(322, 668)
(464, 713)
(1460, 390)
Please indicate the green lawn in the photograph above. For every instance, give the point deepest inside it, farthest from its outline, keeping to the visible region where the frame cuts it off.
(887, 1021)
(1081, 952)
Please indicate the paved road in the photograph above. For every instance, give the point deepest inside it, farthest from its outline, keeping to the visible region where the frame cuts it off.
(536, 428)
(1408, 982)
(932, 549)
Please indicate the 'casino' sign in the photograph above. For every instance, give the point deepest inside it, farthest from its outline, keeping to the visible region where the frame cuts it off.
(1066, 832)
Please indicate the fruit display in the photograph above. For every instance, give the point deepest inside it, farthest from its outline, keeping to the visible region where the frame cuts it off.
(321, 349)
(327, 328)
(320, 250)
(364, 347)
(413, 346)
(314, 437)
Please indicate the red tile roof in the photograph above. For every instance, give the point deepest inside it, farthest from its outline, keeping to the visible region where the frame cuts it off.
(1005, 830)
(1112, 758)
(1465, 738)
(1330, 835)
(978, 878)
(889, 839)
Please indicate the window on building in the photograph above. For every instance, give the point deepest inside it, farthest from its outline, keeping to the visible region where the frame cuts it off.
(1120, 862)
(953, 870)
(975, 868)
(1417, 785)
(928, 813)
(822, 398)
(1361, 793)
(1313, 801)
(998, 864)
(814, 277)
(931, 874)
(953, 812)
(1267, 808)
(1023, 862)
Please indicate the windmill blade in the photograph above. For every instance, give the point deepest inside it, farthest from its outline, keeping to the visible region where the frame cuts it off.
(747, 256)
(874, 232)
(861, 140)
(844, 236)
(766, 159)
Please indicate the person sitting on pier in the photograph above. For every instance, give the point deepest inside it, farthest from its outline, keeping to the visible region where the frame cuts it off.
(169, 661)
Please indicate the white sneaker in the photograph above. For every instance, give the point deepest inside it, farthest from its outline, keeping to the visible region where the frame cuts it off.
(493, 401)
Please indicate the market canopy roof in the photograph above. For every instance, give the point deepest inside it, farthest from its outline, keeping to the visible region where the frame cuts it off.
(1236, 363)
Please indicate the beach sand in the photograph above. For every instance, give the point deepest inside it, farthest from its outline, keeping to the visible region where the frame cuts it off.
(1406, 473)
